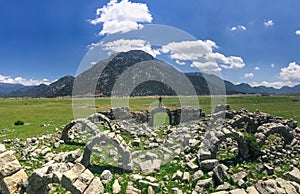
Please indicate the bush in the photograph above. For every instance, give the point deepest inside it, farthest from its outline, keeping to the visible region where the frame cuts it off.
(18, 122)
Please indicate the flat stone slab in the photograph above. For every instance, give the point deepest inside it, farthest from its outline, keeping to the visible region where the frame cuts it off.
(9, 184)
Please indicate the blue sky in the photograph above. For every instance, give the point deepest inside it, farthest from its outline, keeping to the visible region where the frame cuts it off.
(255, 42)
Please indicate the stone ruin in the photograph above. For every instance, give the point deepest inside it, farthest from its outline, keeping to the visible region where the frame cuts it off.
(11, 172)
(71, 170)
(177, 116)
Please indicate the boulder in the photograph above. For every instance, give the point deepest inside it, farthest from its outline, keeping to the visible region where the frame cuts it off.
(205, 183)
(220, 174)
(116, 187)
(294, 175)
(10, 184)
(95, 187)
(70, 176)
(268, 186)
(210, 164)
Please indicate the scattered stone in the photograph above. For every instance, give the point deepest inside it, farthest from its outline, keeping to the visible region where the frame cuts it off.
(239, 176)
(186, 177)
(197, 174)
(9, 184)
(252, 190)
(95, 187)
(294, 175)
(210, 164)
(177, 175)
(70, 176)
(268, 186)
(269, 169)
(289, 188)
(225, 186)
(116, 187)
(136, 142)
(205, 183)
(191, 166)
(132, 190)
(237, 191)
(135, 177)
(220, 174)
(56, 144)
(150, 190)
(154, 185)
(106, 176)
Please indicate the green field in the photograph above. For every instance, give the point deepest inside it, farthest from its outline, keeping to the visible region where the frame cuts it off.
(42, 116)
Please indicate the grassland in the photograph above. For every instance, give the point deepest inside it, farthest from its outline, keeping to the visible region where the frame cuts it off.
(42, 116)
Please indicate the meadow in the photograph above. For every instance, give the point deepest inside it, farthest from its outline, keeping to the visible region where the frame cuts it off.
(42, 116)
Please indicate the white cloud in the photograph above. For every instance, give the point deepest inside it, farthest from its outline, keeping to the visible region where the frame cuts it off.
(291, 73)
(122, 16)
(277, 84)
(236, 28)
(180, 62)
(124, 45)
(257, 68)
(21, 80)
(268, 23)
(272, 65)
(289, 76)
(298, 32)
(202, 55)
(207, 66)
(249, 75)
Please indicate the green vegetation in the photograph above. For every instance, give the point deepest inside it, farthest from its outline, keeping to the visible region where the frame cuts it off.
(18, 122)
(42, 116)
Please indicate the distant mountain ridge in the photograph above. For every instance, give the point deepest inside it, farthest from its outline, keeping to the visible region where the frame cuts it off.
(90, 83)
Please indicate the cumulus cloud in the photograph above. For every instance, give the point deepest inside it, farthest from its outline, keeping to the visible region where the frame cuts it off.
(238, 28)
(289, 76)
(207, 66)
(268, 23)
(249, 75)
(202, 55)
(122, 16)
(24, 81)
(180, 62)
(257, 68)
(291, 73)
(124, 45)
(272, 65)
(277, 84)
(298, 32)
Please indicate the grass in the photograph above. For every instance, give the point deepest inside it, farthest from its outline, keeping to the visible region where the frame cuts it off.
(42, 116)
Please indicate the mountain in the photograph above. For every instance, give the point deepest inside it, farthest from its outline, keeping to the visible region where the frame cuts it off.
(62, 87)
(100, 80)
(6, 88)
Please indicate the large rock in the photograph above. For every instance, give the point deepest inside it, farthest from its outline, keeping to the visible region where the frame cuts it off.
(268, 186)
(9, 168)
(210, 164)
(106, 176)
(205, 183)
(289, 188)
(70, 176)
(116, 187)
(95, 187)
(252, 190)
(220, 174)
(294, 175)
(82, 182)
(237, 191)
(10, 184)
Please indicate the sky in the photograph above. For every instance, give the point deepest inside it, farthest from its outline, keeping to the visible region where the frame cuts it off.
(244, 41)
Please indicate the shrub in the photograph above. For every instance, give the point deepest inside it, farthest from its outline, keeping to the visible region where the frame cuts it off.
(18, 122)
